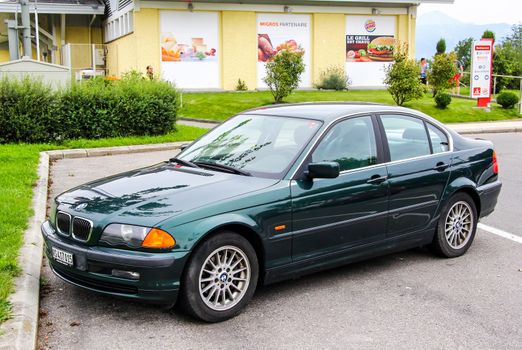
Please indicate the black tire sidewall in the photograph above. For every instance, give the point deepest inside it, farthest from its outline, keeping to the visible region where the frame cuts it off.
(190, 288)
(441, 243)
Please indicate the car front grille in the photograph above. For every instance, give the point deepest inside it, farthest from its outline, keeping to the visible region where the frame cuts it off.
(80, 228)
(63, 223)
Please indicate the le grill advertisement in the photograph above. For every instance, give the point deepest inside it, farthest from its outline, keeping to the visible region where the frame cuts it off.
(370, 44)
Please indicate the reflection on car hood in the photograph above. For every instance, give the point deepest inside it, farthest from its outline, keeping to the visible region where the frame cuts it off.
(158, 192)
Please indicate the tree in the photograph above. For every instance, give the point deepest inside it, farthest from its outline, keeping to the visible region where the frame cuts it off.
(443, 69)
(507, 59)
(441, 46)
(402, 77)
(488, 34)
(284, 72)
(463, 52)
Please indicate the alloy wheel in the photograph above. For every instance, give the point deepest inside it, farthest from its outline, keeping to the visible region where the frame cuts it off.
(224, 278)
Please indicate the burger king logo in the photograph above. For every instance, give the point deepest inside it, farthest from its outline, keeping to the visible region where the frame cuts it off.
(370, 25)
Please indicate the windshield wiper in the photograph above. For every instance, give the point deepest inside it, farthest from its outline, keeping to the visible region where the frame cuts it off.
(222, 167)
(183, 162)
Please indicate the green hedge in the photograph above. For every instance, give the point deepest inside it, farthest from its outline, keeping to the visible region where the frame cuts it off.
(31, 112)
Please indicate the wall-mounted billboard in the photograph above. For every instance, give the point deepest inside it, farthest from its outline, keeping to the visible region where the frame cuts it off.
(189, 49)
(370, 44)
(276, 32)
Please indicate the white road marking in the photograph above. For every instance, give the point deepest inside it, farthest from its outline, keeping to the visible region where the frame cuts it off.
(500, 233)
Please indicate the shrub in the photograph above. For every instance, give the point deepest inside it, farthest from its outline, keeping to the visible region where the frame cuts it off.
(333, 78)
(283, 73)
(507, 99)
(402, 78)
(27, 109)
(241, 85)
(442, 99)
(32, 112)
(442, 71)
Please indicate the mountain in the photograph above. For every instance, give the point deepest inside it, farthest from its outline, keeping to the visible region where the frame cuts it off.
(434, 25)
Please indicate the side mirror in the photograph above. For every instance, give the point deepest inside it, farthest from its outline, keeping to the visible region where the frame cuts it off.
(323, 170)
(184, 146)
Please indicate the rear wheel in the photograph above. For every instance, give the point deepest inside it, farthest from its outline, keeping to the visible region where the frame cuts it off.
(456, 227)
(221, 277)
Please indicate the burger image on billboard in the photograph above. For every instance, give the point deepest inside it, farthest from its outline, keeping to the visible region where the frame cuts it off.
(381, 48)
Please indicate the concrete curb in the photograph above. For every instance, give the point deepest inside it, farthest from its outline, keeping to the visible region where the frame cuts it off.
(20, 331)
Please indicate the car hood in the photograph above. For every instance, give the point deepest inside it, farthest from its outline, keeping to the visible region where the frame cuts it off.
(150, 195)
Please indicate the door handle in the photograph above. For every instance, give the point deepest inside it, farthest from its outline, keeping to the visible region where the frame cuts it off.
(377, 179)
(441, 166)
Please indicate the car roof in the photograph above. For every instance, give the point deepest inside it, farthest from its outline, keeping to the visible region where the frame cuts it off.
(326, 111)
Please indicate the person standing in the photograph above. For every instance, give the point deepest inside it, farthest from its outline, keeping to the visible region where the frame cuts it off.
(150, 72)
(423, 70)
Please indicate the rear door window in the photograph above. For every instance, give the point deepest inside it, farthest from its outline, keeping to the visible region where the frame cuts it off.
(406, 136)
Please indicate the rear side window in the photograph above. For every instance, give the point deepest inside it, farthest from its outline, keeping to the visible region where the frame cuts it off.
(407, 137)
(439, 140)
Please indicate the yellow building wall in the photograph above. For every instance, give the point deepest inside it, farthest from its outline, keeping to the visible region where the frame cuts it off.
(147, 39)
(139, 49)
(121, 55)
(239, 43)
(406, 32)
(239, 49)
(4, 55)
(328, 43)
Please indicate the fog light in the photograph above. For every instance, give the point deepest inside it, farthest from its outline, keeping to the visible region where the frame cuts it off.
(131, 275)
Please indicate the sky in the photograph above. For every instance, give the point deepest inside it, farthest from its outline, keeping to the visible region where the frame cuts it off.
(479, 11)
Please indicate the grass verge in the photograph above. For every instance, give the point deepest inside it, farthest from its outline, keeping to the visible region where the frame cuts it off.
(220, 106)
(17, 178)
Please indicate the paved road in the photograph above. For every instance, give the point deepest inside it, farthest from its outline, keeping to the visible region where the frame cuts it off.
(409, 300)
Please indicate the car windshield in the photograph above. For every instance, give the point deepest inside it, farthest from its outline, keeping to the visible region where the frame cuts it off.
(264, 146)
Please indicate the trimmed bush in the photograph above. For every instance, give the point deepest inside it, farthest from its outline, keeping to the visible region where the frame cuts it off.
(333, 78)
(26, 110)
(31, 112)
(442, 99)
(507, 99)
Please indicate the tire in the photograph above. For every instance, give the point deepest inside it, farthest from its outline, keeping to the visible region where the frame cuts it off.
(220, 278)
(456, 227)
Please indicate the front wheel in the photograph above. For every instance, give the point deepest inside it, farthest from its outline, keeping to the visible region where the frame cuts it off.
(456, 227)
(221, 277)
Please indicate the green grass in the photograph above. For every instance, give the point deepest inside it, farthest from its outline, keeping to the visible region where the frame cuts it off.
(17, 178)
(221, 106)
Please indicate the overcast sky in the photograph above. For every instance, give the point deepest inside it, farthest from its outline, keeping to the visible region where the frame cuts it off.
(479, 11)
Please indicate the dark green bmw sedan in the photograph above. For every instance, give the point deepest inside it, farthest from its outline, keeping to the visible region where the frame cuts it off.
(273, 193)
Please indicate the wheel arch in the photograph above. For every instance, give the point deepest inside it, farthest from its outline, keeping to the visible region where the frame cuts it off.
(243, 229)
(463, 185)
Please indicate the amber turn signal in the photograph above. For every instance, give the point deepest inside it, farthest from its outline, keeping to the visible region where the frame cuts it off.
(157, 238)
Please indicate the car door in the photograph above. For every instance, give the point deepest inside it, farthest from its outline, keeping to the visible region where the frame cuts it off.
(329, 215)
(418, 171)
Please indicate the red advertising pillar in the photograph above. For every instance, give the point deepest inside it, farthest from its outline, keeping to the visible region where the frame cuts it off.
(481, 71)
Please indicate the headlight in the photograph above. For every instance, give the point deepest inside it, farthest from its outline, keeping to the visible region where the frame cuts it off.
(136, 236)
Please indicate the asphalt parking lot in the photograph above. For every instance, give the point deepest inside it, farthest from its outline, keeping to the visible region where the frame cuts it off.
(410, 300)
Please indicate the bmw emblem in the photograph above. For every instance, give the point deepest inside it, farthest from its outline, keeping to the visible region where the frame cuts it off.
(81, 206)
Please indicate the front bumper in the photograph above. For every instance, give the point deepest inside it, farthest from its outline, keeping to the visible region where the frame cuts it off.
(159, 273)
(488, 194)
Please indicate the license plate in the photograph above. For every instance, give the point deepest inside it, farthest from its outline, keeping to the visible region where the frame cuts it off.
(62, 256)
